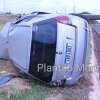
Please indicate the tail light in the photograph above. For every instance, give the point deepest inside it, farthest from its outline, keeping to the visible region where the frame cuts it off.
(63, 19)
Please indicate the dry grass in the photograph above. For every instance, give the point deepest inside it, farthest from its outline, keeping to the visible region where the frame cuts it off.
(5, 19)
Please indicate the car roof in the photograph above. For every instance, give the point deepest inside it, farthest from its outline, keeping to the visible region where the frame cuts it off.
(30, 19)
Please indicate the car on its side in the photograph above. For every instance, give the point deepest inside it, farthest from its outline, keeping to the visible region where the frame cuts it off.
(49, 47)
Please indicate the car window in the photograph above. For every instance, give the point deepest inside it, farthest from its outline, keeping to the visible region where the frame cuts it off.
(43, 48)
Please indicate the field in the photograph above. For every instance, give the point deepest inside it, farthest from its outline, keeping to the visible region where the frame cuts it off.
(29, 89)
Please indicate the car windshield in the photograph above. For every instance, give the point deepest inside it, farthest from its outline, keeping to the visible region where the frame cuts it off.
(43, 46)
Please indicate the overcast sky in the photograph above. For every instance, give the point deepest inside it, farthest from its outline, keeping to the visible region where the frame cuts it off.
(64, 6)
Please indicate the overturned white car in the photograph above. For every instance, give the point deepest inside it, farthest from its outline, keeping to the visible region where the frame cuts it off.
(49, 47)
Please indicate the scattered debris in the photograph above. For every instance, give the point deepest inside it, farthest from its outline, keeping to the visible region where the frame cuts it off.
(4, 78)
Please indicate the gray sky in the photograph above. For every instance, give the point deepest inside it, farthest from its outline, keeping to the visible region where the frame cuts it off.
(64, 6)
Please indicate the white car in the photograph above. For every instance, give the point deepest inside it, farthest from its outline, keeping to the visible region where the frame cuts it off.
(49, 47)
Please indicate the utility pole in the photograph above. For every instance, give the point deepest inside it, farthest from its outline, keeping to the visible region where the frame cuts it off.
(4, 5)
(74, 6)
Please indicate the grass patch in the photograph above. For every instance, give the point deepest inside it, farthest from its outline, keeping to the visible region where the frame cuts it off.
(38, 91)
(1, 25)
